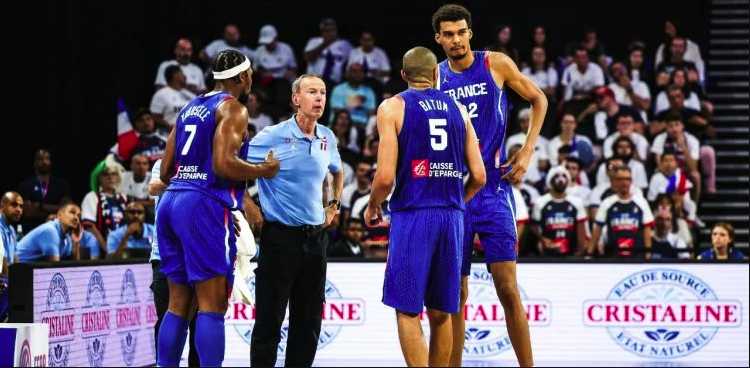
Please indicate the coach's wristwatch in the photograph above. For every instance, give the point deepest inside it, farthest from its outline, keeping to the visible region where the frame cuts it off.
(336, 202)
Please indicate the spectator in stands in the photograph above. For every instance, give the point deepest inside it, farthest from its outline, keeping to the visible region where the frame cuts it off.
(134, 183)
(55, 240)
(695, 123)
(503, 43)
(275, 58)
(636, 68)
(689, 52)
(580, 144)
(690, 91)
(258, 119)
(343, 128)
(354, 191)
(581, 77)
(371, 149)
(326, 55)
(103, 207)
(167, 102)
(183, 53)
(151, 144)
(606, 189)
(722, 244)
(629, 92)
(539, 161)
(559, 218)
(231, 41)
(43, 193)
(11, 210)
(628, 220)
(374, 60)
(539, 39)
(668, 178)
(590, 42)
(666, 243)
(626, 128)
(355, 97)
(681, 226)
(625, 149)
(350, 246)
(528, 192)
(377, 236)
(676, 60)
(688, 151)
(575, 188)
(133, 232)
(543, 74)
(603, 115)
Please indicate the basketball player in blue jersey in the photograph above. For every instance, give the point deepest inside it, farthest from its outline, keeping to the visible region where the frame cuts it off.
(206, 181)
(478, 79)
(426, 141)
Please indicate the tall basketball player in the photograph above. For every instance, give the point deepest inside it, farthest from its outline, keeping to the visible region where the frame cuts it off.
(478, 79)
(426, 140)
(206, 174)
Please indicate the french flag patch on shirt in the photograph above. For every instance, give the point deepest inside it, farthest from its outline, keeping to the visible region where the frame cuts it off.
(324, 144)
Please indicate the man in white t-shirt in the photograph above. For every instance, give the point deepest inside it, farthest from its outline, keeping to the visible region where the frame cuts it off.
(626, 128)
(581, 77)
(183, 52)
(624, 148)
(326, 55)
(258, 119)
(374, 60)
(539, 160)
(576, 188)
(167, 102)
(231, 40)
(275, 58)
(134, 184)
(629, 92)
(582, 147)
(356, 190)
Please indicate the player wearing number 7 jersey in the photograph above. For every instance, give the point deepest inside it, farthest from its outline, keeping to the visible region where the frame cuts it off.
(206, 180)
(477, 79)
(426, 140)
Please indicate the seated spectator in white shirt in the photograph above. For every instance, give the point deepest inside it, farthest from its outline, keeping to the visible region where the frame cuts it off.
(581, 145)
(539, 161)
(257, 118)
(575, 188)
(356, 190)
(629, 92)
(679, 79)
(275, 58)
(582, 77)
(374, 60)
(624, 149)
(183, 52)
(167, 102)
(326, 55)
(231, 41)
(668, 178)
(134, 184)
(690, 52)
(626, 128)
(542, 73)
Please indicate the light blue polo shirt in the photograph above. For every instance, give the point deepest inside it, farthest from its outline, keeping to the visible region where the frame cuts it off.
(115, 237)
(294, 196)
(46, 240)
(8, 233)
(88, 240)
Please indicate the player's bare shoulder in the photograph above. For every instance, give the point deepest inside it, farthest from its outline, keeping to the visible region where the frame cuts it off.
(230, 107)
(391, 108)
(503, 68)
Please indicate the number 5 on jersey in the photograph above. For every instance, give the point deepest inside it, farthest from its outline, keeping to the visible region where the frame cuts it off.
(190, 129)
(439, 136)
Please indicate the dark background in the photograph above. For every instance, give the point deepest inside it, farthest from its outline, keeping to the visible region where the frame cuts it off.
(70, 60)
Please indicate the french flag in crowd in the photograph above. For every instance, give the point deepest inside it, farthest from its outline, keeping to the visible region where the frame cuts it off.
(127, 137)
(677, 182)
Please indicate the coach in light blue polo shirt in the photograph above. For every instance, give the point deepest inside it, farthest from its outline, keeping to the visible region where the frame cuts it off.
(292, 255)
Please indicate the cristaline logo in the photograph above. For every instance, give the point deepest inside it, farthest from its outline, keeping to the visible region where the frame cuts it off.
(128, 317)
(338, 312)
(95, 320)
(60, 317)
(662, 313)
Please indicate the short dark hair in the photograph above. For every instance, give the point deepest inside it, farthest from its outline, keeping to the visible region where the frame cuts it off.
(669, 151)
(574, 160)
(170, 72)
(140, 112)
(565, 149)
(623, 138)
(354, 220)
(608, 162)
(581, 48)
(226, 60)
(673, 117)
(450, 13)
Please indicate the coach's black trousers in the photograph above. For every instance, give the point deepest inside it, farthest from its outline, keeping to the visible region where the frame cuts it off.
(291, 269)
(160, 288)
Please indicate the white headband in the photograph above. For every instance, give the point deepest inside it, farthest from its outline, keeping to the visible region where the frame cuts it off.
(233, 72)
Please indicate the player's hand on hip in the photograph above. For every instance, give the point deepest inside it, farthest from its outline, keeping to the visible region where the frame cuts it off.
(373, 216)
(273, 165)
(330, 214)
(518, 164)
(254, 217)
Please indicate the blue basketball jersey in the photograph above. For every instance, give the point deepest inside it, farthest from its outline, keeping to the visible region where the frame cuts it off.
(194, 141)
(487, 106)
(430, 153)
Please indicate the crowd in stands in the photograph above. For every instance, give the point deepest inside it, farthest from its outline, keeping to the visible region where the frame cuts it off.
(621, 137)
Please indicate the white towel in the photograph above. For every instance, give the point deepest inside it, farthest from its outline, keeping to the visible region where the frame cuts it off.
(242, 268)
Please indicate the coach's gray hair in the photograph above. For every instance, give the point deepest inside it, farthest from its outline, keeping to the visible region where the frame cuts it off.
(297, 82)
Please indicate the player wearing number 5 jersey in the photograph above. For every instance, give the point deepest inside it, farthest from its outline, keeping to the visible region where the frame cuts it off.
(196, 233)
(478, 80)
(426, 139)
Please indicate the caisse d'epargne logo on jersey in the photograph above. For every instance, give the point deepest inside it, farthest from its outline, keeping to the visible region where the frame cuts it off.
(338, 312)
(662, 313)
